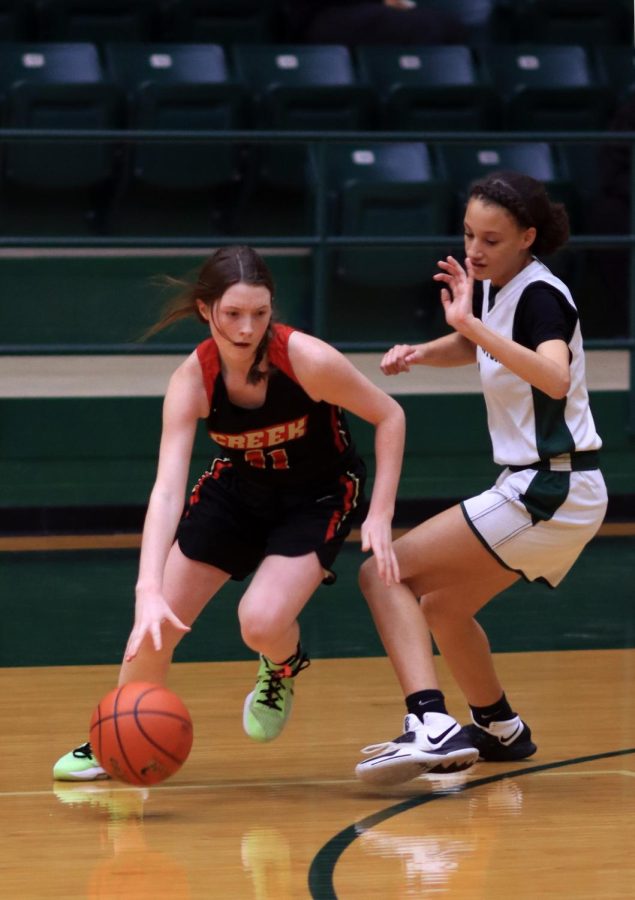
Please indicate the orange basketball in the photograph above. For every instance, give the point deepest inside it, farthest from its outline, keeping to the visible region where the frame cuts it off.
(141, 733)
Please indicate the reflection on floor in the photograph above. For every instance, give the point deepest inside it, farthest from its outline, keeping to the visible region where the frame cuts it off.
(289, 820)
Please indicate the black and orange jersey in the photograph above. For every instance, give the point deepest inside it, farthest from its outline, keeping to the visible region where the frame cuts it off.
(288, 441)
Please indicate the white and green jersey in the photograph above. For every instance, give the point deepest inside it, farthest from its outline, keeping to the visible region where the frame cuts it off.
(525, 424)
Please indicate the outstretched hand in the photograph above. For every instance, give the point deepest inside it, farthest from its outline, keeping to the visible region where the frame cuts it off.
(399, 359)
(377, 537)
(457, 296)
(150, 614)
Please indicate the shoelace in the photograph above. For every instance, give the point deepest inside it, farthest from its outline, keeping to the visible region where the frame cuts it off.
(272, 691)
(83, 752)
(273, 685)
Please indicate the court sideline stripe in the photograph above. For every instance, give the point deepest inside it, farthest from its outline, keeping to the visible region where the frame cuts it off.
(322, 868)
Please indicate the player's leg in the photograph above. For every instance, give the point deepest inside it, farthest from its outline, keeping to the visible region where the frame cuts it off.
(188, 585)
(442, 560)
(269, 609)
(268, 614)
(444, 563)
(300, 551)
(497, 731)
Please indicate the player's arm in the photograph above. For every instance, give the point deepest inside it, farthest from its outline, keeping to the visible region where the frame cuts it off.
(327, 375)
(185, 402)
(444, 352)
(546, 368)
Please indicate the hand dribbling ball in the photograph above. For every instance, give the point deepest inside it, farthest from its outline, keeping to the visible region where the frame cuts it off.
(141, 733)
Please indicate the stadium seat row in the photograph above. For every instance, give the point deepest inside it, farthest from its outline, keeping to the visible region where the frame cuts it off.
(528, 86)
(194, 87)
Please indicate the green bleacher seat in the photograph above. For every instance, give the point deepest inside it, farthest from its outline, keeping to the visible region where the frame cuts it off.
(180, 87)
(548, 87)
(59, 86)
(300, 87)
(429, 88)
(381, 190)
(461, 164)
(177, 87)
(384, 189)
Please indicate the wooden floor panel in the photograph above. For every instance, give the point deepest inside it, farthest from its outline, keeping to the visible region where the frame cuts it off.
(289, 820)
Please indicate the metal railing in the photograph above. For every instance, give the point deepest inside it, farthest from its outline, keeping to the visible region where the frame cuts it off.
(320, 241)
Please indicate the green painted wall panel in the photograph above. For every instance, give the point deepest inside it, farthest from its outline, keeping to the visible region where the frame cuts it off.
(75, 608)
(100, 300)
(68, 451)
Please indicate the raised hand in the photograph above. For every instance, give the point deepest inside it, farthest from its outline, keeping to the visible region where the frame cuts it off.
(457, 296)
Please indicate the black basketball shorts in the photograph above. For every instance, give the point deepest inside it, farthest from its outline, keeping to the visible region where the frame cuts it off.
(233, 525)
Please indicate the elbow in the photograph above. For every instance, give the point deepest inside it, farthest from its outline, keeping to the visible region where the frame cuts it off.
(398, 418)
(559, 389)
(390, 425)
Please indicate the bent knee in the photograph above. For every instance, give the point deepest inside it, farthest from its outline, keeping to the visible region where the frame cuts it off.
(368, 577)
(257, 629)
(439, 610)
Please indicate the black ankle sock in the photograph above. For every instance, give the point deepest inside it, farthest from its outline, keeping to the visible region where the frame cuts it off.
(295, 657)
(293, 664)
(497, 712)
(425, 701)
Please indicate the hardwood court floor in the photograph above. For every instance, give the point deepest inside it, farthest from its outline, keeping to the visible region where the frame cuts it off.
(288, 820)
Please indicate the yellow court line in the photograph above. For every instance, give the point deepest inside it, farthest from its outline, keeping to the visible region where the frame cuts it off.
(126, 541)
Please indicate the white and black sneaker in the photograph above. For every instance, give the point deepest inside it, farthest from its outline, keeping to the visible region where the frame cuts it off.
(436, 744)
(501, 741)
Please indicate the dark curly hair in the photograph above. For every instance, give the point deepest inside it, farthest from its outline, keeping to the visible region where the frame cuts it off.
(236, 264)
(527, 200)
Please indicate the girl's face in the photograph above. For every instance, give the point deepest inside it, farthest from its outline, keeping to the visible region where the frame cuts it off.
(238, 321)
(496, 244)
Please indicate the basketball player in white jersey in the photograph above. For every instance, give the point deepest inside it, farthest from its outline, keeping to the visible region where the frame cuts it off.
(518, 322)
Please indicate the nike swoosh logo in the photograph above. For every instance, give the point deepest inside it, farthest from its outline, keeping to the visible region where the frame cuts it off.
(439, 737)
(508, 740)
(385, 756)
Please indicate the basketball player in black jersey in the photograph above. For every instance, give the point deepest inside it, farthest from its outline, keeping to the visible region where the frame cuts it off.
(277, 498)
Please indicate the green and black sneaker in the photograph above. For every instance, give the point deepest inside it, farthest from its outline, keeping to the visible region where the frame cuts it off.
(79, 765)
(268, 706)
